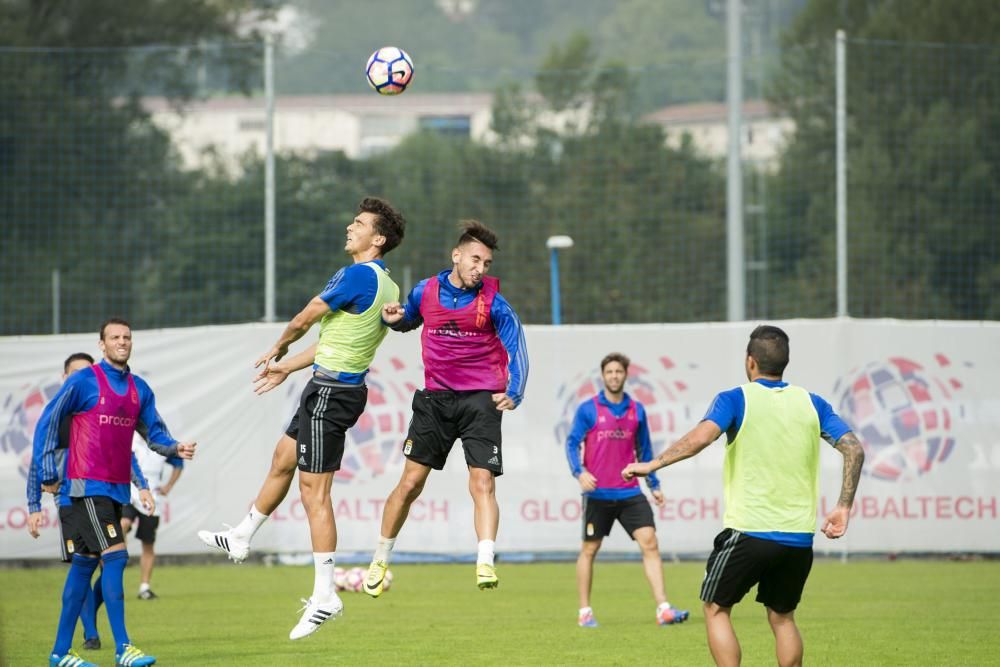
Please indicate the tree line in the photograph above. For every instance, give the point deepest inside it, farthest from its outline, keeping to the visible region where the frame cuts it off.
(93, 188)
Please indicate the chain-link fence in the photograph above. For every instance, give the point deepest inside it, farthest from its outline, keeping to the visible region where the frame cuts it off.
(134, 184)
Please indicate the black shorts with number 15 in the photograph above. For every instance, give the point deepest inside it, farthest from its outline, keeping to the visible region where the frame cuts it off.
(327, 410)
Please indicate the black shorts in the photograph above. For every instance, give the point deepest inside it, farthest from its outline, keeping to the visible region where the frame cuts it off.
(327, 410)
(66, 556)
(599, 516)
(145, 525)
(739, 561)
(441, 417)
(91, 525)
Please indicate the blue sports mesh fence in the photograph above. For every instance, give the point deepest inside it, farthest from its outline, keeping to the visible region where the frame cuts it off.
(138, 176)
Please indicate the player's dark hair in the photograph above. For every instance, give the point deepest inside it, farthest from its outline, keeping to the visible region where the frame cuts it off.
(616, 356)
(110, 321)
(473, 230)
(769, 348)
(77, 356)
(389, 222)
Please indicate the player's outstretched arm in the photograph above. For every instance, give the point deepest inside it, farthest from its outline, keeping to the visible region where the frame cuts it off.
(835, 523)
(294, 330)
(272, 375)
(692, 442)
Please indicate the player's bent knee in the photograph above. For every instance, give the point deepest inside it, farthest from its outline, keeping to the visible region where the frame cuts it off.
(283, 461)
(410, 488)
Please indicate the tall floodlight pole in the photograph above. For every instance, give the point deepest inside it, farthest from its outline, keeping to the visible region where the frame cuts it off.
(269, 250)
(735, 260)
(841, 174)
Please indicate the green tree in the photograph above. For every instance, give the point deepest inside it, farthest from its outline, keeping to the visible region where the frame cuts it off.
(87, 176)
(923, 149)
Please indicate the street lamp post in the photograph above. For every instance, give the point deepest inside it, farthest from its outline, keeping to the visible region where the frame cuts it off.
(555, 244)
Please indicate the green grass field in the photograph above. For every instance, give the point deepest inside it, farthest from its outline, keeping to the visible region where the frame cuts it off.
(861, 613)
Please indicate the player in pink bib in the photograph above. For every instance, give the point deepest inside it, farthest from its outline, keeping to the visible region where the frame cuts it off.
(609, 432)
(475, 367)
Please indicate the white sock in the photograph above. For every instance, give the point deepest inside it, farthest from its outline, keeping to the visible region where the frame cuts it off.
(486, 552)
(323, 585)
(250, 524)
(143, 587)
(662, 606)
(384, 548)
(586, 610)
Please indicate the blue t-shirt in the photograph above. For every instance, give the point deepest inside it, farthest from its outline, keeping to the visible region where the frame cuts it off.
(505, 321)
(585, 419)
(352, 289)
(726, 412)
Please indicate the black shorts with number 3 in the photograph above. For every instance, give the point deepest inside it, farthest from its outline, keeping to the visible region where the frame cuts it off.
(327, 410)
(740, 561)
(441, 417)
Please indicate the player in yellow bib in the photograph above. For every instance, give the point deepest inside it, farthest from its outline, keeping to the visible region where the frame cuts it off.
(770, 480)
(349, 312)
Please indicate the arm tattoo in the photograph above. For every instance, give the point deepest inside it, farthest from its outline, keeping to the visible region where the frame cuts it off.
(854, 457)
(680, 450)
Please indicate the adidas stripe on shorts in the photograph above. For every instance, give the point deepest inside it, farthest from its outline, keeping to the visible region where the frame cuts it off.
(327, 410)
(739, 562)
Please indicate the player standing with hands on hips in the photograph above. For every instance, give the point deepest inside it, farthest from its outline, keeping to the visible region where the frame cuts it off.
(609, 432)
(770, 483)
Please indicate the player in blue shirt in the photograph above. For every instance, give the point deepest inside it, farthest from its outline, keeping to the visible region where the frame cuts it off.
(88, 612)
(610, 430)
(350, 330)
(105, 402)
(771, 486)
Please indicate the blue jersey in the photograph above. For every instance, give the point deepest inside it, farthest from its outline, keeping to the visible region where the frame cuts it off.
(726, 412)
(79, 394)
(352, 289)
(505, 321)
(585, 419)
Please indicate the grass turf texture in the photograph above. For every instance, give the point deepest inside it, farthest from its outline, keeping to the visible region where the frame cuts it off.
(861, 613)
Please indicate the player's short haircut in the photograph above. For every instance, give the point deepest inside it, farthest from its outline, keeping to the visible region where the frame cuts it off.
(616, 356)
(389, 222)
(77, 356)
(110, 321)
(473, 230)
(769, 348)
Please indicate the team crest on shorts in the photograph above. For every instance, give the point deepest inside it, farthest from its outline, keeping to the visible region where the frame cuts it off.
(407, 447)
(590, 530)
(70, 548)
(111, 530)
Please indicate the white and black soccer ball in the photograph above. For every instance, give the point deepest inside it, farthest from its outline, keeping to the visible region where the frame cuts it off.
(389, 70)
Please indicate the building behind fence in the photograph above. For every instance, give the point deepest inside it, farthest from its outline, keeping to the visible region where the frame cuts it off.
(129, 196)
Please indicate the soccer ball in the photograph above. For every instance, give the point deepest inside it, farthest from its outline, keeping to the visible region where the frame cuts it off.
(354, 580)
(387, 580)
(340, 578)
(389, 70)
